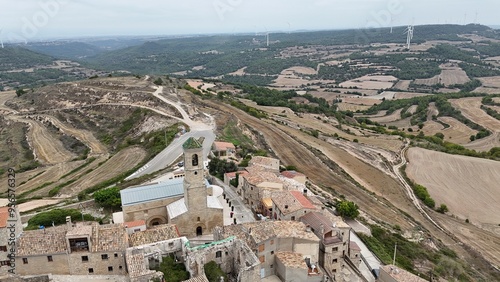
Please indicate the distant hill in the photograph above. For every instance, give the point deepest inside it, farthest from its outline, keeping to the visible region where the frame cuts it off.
(65, 50)
(13, 57)
(222, 54)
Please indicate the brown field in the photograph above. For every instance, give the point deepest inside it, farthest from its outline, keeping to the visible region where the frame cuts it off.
(412, 109)
(371, 82)
(485, 144)
(351, 107)
(408, 95)
(86, 137)
(387, 95)
(361, 101)
(302, 70)
(46, 147)
(470, 108)
(431, 127)
(457, 132)
(452, 74)
(492, 81)
(468, 186)
(428, 81)
(402, 85)
(432, 111)
(396, 115)
(24, 207)
(401, 123)
(123, 161)
(239, 72)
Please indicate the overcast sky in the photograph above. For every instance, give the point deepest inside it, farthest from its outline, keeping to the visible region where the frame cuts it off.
(40, 19)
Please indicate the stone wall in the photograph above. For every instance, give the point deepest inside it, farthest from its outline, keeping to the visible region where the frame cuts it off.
(41, 265)
(149, 211)
(114, 264)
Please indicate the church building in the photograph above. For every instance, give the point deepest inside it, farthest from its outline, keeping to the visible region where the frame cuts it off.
(189, 202)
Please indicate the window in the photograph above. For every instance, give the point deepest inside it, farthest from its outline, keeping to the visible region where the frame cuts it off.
(218, 254)
(110, 268)
(334, 261)
(198, 219)
(120, 267)
(5, 262)
(25, 261)
(293, 218)
(271, 266)
(272, 252)
(85, 258)
(335, 249)
(227, 253)
(104, 256)
(195, 160)
(262, 248)
(137, 230)
(170, 244)
(3, 248)
(91, 270)
(262, 259)
(334, 270)
(116, 255)
(49, 258)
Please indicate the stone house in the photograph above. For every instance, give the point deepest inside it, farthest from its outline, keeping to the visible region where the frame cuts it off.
(224, 150)
(290, 205)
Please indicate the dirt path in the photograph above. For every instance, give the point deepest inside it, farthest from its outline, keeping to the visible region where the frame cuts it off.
(292, 152)
(86, 137)
(46, 148)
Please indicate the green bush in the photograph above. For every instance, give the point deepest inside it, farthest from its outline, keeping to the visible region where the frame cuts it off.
(56, 216)
(214, 273)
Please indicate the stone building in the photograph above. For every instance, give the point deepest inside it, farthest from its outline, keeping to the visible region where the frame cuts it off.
(391, 273)
(232, 255)
(81, 249)
(188, 202)
(266, 238)
(224, 150)
(290, 205)
(292, 267)
(335, 241)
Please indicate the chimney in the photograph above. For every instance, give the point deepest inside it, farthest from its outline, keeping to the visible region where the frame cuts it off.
(322, 229)
(68, 221)
(304, 192)
(308, 228)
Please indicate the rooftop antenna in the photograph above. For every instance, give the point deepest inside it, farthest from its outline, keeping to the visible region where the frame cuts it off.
(409, 35)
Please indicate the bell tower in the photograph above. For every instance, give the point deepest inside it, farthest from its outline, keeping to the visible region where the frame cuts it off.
(195, 191)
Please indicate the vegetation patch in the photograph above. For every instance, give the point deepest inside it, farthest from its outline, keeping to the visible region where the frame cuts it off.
(56, 217)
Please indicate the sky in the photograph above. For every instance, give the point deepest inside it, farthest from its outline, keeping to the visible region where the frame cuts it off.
(30, 20)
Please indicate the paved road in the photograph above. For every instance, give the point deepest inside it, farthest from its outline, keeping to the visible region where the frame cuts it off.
(370, 260)
(174, 149)
(241, 212)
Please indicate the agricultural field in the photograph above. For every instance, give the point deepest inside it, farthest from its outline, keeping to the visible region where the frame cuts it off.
(370, 82)
(468, 193)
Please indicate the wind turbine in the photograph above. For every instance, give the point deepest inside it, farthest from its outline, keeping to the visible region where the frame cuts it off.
(391, 23)
(267, 37)
(409, 35)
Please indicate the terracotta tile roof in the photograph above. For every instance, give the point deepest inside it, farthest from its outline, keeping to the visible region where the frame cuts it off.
(223, 146)
(201, 278)
(233, 174)
(4, 216)
(43, 241)
(261, 231)
(291, 173)
(109, 237)
(264, 162)
(132, 224)
(315, 220)
(292, 260)
(401, 275)
(261, 177)
(157, 234)
(268, 202)
(354, 246)
(291, 201)
(302, 200)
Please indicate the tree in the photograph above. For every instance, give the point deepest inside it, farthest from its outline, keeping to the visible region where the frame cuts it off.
(442, 208)
(109, 198)
(173, 271)
(158, 81)
(20, 92)
(347, 209)
(214, 273)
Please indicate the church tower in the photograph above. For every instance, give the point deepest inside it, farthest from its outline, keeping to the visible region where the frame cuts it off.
(195, 191)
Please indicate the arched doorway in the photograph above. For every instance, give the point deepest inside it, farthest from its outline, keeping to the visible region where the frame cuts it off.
(199, 231)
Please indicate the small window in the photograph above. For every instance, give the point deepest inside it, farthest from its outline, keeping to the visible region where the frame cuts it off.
(120, 267)
(227, 253)
(137, 230)
(5, 262)
(104, 256)
(110, 268)
(335, 249)
(334, 261)
(334, 270)
(194, 160)
(271, 266)
(91, 270)
(262, 248)
(262, 259)
(25, 261)
(272, 252)
(85, 258)
(116, 255)
(198, 219)
(293, 218)
(3, 248)
(170, 244)
(218, 254)
(49, 258)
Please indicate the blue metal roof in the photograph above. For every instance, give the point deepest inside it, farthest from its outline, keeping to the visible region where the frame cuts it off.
(152, 192)
(171, 188)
